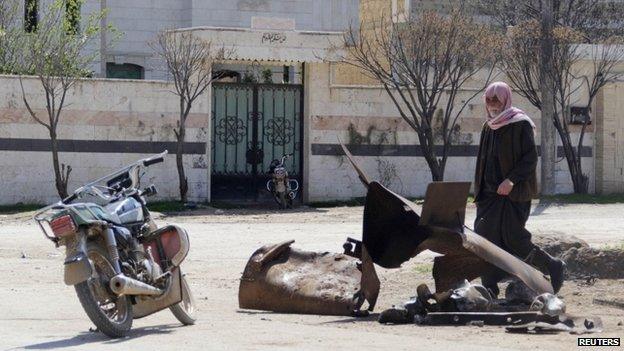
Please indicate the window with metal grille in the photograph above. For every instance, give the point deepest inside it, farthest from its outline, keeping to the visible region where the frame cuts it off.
(124, 71)
(31, 15)
(72, 16)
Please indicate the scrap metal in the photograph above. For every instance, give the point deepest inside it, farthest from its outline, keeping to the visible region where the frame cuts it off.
(284, 279)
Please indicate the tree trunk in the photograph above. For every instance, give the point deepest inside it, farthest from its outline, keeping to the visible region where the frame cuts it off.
(427, 146)
(59, 178)
(179, 162)
(436, 167)
(580, 181)
(437, 173)
(548, 144)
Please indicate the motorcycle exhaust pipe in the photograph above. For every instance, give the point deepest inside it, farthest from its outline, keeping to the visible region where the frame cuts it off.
(122, 285)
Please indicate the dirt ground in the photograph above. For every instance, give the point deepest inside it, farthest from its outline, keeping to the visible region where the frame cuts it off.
(40, 312)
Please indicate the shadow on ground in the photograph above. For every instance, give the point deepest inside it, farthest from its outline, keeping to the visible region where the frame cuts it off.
(542, 206)
(86, 338)
(373, 317)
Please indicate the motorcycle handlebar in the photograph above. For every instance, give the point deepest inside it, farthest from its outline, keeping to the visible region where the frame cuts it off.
(70, 198)
(148, 163)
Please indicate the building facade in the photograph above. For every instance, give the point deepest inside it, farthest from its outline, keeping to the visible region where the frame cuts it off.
(286, 95)
(139, 21)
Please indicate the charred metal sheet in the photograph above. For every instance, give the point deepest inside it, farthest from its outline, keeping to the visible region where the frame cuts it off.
(518, 322)
(563, 323)
(393, 233)
(283, 279)
(445, 205)
(488, 318)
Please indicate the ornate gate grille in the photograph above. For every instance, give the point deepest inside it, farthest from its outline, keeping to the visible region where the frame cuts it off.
(252, 124)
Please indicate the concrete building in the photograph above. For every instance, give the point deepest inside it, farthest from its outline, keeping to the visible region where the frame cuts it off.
(140, 20)
(282, 98)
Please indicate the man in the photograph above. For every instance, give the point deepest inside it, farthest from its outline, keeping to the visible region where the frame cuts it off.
(505, 183)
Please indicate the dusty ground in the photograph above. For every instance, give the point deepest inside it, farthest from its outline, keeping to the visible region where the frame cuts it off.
(40, 312)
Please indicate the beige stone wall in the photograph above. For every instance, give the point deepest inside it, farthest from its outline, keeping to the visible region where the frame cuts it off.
(610, 139)
(371, 14)
(343, 97)
(333, 109)
(113, 113)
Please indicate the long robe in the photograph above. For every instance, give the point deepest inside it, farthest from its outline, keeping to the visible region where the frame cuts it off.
(499, 219)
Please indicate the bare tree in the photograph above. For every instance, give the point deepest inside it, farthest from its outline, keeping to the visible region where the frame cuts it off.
(189, 61)
(585, 31)
(423, 64)
(570, 79)
(56, 54)
(11, 47)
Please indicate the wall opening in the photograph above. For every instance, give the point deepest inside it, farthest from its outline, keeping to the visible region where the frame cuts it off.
(31, 15)
(124, 71)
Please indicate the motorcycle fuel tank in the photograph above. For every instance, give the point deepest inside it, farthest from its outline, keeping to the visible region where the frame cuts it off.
(127, 210)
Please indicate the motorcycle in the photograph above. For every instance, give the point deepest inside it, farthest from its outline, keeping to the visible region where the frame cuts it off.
(121, 265)
(283, 189)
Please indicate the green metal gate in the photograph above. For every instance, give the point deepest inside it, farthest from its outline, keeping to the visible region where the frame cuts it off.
(252, 124)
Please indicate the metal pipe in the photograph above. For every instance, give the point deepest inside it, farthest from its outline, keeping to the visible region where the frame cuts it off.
(122, 285)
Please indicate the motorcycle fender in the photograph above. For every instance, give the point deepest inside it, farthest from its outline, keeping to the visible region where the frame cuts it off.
(77, 265)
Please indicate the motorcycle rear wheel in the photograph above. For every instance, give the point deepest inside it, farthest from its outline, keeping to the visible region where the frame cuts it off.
(111, 314)
(184, 310)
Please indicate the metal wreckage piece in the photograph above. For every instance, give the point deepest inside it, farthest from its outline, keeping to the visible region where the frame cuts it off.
(282, 279)
(393, 233)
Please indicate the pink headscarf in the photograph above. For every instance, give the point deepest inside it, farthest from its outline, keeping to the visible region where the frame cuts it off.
(510, 114)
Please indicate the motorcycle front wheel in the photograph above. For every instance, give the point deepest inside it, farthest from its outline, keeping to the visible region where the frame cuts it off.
(184, 310)
(282, 200)
(289, 201)
(111, 314)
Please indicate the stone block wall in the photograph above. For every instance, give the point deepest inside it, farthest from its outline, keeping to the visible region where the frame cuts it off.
(610, 139)
(386, 145)
(105, 125)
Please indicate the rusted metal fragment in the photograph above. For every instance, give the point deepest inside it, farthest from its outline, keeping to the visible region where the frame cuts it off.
(451, 268)
(491, 253)
(283, 279)
(445, 205)
(393, 232)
